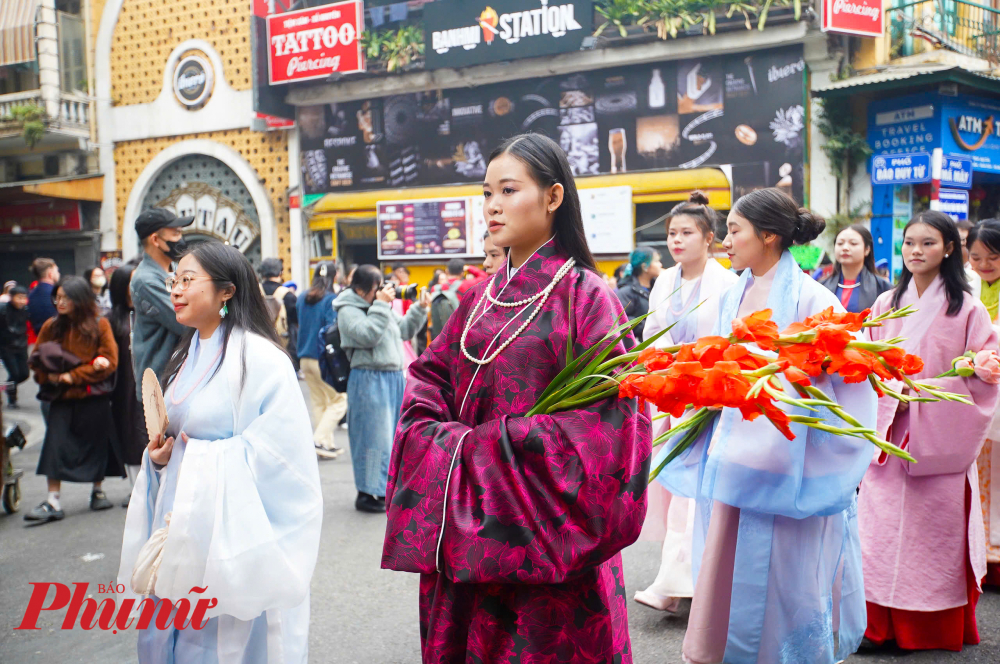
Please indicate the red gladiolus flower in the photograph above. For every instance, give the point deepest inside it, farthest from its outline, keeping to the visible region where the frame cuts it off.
(757, 328)
(854, 365)
(807, 357)
(744, 358)
(893, 357)
(723, 385)
(796, 375)
(654, 359)
(851, 322)
(832, 339)
(912, 364)
(709, 350)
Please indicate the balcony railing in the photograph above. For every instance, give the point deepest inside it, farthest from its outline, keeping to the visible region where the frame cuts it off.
(956, 25)
(74, 109)
(10, 101)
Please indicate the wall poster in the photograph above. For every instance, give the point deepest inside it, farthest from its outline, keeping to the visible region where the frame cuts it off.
(746, 110)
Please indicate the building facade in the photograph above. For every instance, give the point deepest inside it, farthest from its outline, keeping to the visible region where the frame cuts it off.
(175, 107)
(51, 186)
(929, 85)
(390, 157)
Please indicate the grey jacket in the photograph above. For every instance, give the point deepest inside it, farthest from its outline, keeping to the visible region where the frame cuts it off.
(156, 330)
(372, 334)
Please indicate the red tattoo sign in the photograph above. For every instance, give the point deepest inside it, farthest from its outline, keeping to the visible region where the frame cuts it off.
(854, 17)
(314, 43)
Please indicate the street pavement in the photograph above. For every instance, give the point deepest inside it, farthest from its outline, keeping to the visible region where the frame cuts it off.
(360, 613)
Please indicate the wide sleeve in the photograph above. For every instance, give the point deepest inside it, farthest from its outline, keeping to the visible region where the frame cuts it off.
(248, 509)
(753, 466)
(531, 499)
(947, 437)
(87, 373)
(657, 305)
(410, 324)
(363, 329)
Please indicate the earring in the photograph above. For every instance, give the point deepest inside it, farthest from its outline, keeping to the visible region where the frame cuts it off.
(946, 255)
(224, 310)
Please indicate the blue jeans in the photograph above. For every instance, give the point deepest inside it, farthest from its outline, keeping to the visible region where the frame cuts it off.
(376, 398)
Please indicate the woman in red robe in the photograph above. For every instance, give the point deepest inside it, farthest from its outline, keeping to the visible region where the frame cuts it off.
(535, 509)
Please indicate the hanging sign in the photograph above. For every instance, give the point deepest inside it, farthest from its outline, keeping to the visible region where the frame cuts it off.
(956, 172)
(854, 17)
(901, 169)
(423, 228)
(954, 203)
(314, 43)
(471, 32)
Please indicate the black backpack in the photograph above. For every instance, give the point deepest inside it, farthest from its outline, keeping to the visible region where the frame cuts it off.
(334, 365)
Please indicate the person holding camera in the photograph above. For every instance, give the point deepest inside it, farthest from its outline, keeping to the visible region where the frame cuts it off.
(372, 335)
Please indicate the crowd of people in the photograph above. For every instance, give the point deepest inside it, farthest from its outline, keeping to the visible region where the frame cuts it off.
(787, 550)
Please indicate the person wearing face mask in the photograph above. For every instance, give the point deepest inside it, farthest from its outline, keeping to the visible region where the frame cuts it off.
(99, 284)
(372, 335)
(156, 329)
(921, 524)
(854, 280)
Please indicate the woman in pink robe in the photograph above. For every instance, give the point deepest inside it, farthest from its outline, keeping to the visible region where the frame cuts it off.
(922, 543)
(535, 510)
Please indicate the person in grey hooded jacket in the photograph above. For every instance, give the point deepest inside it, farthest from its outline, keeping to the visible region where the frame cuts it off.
(372, 335)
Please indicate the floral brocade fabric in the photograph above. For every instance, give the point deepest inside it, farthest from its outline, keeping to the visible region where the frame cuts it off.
(537, 508)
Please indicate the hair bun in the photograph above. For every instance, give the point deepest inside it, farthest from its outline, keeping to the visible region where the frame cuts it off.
(698, 197)
(808, 226)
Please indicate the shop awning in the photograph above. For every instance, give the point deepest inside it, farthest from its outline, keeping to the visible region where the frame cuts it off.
(908, 79)
(651, 187)
(17, 31)
(71, 187)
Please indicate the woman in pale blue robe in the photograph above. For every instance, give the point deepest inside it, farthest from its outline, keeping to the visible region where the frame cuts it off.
(236, 474)
(777, 560)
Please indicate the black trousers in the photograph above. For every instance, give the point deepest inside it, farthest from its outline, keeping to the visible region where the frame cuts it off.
(15, 360)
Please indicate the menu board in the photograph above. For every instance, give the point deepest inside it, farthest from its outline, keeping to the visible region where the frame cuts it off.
(746, 110)
(423, 228)
(607, 219)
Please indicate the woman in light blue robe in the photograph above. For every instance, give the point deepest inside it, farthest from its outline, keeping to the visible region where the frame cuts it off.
(776, 551)
(235, 473)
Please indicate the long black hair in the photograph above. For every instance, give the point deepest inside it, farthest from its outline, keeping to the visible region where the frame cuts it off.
(952, 268)
(120, 309)
(867, 240)
(773, 211)
(324, 276)
(228, 268)
(84, 316)
(548, 166)
(986, 231)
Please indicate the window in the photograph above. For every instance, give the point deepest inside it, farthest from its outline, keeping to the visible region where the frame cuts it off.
(71, 53)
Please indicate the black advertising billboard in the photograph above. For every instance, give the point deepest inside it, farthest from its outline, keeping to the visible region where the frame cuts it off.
(461, 33)
(742, 110)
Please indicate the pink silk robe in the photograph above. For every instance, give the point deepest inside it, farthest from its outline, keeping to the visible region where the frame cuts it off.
(915, 529)
(537, 508)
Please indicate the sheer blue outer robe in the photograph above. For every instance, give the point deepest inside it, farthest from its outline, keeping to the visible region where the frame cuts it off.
(797, 593)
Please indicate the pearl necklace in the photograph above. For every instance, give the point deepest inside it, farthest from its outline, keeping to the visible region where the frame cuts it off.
(544, 295)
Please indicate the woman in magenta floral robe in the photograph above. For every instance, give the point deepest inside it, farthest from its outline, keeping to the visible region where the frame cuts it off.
(527, 568)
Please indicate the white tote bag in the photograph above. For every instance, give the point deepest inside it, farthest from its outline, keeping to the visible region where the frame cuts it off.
(147, 564)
